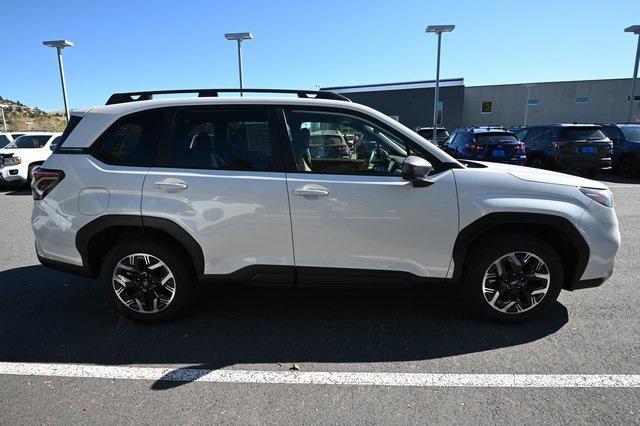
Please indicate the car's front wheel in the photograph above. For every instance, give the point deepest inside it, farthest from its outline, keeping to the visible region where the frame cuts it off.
(147, 281)
(512, 278)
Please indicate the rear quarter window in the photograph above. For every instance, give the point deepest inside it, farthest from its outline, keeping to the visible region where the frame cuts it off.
(131, 141)
(73, 122)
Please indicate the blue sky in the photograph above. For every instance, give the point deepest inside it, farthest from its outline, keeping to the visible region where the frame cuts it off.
(136, 45)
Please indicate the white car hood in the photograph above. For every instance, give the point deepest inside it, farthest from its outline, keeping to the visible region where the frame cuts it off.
(544, 176)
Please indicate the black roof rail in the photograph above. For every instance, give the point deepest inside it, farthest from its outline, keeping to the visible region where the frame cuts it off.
(124, 97)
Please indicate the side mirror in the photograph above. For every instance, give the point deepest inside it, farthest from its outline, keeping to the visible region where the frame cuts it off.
(415, 170)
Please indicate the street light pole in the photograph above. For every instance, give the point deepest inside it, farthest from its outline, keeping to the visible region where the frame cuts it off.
(4, 121)
(636, 30)
(59, 45)
(239, 37)
(438, 30)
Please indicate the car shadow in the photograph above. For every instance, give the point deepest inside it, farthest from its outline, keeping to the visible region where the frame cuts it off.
(52, 317)
(610, 177)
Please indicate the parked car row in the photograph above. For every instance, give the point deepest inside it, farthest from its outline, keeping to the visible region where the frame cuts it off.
(589, 148)
(24, 152)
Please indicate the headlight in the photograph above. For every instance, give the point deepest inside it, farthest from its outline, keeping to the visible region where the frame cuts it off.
(12, 161)
(602, 196)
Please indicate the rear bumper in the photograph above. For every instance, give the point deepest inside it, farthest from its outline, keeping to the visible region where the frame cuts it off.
(579, 162)
(64, 267)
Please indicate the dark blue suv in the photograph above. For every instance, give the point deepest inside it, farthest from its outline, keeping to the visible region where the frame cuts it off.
(626, 148)
(582, 147)
(486, 144)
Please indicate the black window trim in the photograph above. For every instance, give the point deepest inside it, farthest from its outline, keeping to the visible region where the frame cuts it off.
(439, 166)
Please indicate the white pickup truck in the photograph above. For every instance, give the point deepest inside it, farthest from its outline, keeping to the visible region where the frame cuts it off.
(20, 157)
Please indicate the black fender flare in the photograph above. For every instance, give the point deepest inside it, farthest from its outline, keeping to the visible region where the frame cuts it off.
(167, 226)
(469, 234)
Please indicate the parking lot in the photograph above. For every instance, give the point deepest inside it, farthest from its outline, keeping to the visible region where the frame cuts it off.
(256, 335)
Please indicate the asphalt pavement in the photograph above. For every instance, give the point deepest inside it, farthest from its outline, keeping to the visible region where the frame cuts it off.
(49, 319)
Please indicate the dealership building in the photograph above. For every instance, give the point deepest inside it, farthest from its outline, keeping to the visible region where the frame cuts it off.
(585, 101)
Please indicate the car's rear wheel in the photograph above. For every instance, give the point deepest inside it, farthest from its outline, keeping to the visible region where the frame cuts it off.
(512, 278)
(147, 282)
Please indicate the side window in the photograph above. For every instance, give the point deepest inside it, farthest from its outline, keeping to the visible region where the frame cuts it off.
(522, 134)
(319, 144)
(612, 132)
(546, 136)
(533, 136)
(54, 143)
(132, 141)
(229, 139)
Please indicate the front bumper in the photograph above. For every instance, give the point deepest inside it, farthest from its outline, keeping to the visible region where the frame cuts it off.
(13, 174)
(579, 285)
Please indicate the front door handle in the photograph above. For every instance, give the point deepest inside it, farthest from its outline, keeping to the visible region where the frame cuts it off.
(171, 185)
(311, 191)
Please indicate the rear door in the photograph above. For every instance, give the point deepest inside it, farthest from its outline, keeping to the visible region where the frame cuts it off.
(220, 178)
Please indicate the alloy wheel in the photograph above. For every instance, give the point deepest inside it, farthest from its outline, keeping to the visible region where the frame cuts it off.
(516, 282)
(143, 283)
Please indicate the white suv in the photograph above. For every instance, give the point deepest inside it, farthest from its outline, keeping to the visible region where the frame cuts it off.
(153, 197)
(19, 157)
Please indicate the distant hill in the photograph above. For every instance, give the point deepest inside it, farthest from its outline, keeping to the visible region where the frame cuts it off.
(21, 118)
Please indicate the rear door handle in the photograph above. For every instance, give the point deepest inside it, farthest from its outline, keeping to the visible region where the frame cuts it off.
(171, 185)
(312, 191)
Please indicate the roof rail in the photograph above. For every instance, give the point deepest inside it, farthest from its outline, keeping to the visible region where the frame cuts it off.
(119, 98)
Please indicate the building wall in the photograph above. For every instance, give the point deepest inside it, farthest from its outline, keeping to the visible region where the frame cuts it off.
(607, 101)
(414, 107)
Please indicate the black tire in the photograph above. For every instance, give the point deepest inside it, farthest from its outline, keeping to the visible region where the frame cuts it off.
(629, 167)
(480, 260)
(591, 173)
(185, 282)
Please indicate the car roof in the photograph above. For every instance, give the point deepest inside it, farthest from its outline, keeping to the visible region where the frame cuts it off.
(564, 125)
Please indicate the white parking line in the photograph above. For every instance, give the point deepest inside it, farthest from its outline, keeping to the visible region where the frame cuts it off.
(325, 378)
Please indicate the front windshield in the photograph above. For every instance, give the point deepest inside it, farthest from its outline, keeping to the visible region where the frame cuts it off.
(631, 133)
(29, 141)
(4, 140)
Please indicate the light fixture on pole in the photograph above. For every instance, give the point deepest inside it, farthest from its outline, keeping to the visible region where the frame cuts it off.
(636, 30)
(438, 30)
(59, 45)
(4, 122)
(239, 37)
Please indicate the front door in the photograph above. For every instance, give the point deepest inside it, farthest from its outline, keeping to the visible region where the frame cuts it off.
(224, 185)
(351, 209)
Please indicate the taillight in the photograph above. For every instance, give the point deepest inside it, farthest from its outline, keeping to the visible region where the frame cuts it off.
(559, 142)
(520, 146)
(43, 181)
